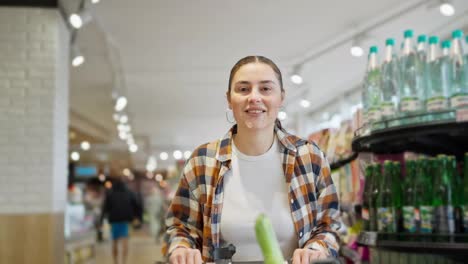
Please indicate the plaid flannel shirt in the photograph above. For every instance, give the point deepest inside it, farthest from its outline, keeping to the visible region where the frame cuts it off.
(193, 219)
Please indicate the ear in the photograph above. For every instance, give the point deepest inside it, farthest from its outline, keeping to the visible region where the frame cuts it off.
(228, 97)
(283, 95)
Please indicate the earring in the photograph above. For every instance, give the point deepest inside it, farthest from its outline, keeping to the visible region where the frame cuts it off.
(227, 116)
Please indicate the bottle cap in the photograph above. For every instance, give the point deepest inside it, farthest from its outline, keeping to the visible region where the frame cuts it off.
(408, 33)
(433, 40)
(390, 41)
(422, 38)
(446, 44)
(457, 34)
(373, 49)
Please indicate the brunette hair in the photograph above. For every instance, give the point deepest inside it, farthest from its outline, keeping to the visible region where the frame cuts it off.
(255, 59)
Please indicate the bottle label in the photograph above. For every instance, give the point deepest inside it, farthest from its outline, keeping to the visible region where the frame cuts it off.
(373, 115)
(365, 214)
(410, 104)
(459, 100)
(409, 213)
(444, 219)
(465, 218)
(426, 217)
(387, 109)
(385, 220)
(437, 103)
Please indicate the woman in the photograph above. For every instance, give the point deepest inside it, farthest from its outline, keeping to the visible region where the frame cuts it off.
(256, 168)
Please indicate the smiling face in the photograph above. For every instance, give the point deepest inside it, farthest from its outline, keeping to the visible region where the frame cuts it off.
(255, 96)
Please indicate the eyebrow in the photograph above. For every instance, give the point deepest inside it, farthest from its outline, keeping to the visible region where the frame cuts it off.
(262, 82)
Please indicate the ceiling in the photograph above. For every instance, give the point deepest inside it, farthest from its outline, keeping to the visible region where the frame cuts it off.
(172, 59)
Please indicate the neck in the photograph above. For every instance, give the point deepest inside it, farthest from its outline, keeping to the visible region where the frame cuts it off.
(253, 142)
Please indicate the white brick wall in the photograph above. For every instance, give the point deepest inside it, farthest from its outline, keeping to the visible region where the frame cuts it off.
(34, 69)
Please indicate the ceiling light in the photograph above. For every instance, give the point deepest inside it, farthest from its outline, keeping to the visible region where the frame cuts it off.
(77, 57)
(123, 135)
(177, 154)
(75, 156)
(187, 154)
(102, 177)
(282, 115)
(127, 172)
(447, 9)
(123, 119)
(305, 103)
(356, 51)
(130, 140)
(133, 148)
(151, 164)
(296, 79)
(159, 177)
(94, 1)
(85, 145)
(120, 103)
(77, 20)
(163, 156)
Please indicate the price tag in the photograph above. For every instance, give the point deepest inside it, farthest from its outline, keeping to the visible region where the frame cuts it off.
(462, 115)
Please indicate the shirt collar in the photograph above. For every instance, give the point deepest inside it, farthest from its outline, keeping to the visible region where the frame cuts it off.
(224, 151)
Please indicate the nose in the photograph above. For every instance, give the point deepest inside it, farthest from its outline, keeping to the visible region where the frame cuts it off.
(255, 96)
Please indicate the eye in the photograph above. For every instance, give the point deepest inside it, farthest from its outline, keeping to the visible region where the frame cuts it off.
(266, 88)
(243, 89)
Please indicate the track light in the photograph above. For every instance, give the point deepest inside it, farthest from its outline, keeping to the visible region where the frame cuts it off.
(120, 103)
(296, 78)
(446, 8)
(77, 20)
(356, 49)
(77, 57)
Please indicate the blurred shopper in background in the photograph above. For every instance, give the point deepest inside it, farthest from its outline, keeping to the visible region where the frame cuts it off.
(121, 208)
(256, 168)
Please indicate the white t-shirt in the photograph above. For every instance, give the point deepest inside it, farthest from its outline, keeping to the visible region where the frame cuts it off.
(255, 185)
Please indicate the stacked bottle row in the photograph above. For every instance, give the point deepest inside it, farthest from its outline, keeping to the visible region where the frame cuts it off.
(419, 80)
(432, 198)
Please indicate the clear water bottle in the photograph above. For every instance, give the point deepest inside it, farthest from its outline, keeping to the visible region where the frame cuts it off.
(390, 82)
(459, 91)
(412, 77)
(371, 92)
(438, 75)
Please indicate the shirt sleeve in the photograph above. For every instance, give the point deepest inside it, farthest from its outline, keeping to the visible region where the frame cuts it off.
(184, 220)
(324, 235)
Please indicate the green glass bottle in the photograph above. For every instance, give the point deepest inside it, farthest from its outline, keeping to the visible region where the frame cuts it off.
(376, 179)
(385, 206)
(412, 77)
(366, 198)
(444, 222)
(459, 91)
(408, 209)
(438, 81)
(465, 192)
(371, 93)
(423, 204)
(397, 189)
(457, 194)
(390, 82)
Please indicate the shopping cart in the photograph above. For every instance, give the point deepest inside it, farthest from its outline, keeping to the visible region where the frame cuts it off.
(224, 256)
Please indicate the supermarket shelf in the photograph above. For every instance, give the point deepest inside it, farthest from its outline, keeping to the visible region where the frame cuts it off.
(440, 135)
(340, 163)
(456, 244)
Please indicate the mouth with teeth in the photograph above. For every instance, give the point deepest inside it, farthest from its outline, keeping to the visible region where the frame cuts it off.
(254, 112)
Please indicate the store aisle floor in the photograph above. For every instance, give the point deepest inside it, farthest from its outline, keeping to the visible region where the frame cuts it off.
(142, 250)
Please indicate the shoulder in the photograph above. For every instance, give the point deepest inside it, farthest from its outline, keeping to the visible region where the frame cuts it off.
(305, 146)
